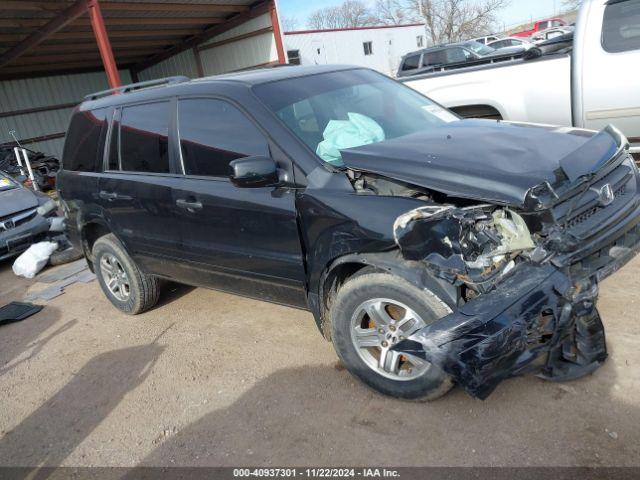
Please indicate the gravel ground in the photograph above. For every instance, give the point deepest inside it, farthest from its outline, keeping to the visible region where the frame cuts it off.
(210, 379)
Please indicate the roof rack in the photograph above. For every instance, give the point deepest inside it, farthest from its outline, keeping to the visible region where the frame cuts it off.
(136, 86)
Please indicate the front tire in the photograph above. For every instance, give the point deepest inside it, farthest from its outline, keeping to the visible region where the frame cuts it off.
(371, 313)
(125, 285)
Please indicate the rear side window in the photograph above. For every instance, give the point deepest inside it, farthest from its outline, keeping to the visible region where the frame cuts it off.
(411, 63)
(213, 133)
(144, 138)
(621, 27)
(438, 57)
(456, 55)
(84, 138)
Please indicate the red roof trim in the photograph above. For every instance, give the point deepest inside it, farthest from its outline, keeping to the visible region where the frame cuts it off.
(378, 27)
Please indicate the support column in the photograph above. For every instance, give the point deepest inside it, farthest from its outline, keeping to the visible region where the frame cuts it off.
(104, 45)
(277, 33)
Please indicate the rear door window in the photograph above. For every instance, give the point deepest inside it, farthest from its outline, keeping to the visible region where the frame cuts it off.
(85, 139)
(457, 55)
(213, 133)
(144, 138)
(411, 63)
(438, 57)
(621, 27)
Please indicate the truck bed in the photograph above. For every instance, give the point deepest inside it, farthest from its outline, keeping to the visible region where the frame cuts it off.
(537, 91)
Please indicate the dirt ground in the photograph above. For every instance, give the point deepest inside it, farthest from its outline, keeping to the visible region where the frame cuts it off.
(209, 379)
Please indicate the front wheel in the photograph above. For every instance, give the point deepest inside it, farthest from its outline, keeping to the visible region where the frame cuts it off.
(371, 313)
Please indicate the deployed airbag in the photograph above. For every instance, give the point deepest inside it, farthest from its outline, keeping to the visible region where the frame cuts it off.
(341, 134)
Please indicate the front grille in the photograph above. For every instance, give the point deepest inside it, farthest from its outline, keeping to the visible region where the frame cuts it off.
(587, 214)
(14, 220)
(582, 212)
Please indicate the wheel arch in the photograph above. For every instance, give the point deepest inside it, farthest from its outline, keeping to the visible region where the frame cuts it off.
(91, 231)
(345, 267)
(480, 110)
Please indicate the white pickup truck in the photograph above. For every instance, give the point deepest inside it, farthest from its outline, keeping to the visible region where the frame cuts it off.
(596, 84)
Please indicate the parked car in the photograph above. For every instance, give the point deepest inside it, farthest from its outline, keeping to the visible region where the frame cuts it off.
(431, 250)
(550, 34)
(590, 87)
(540, 25)
(454, 56)
(21, 224)
(485, 40)
(510, 42)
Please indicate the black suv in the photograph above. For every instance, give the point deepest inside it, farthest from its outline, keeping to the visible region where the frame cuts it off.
(458, 55)
(431, 250)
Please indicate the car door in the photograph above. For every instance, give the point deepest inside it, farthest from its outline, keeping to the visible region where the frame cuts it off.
(135, 189)
(243, 240)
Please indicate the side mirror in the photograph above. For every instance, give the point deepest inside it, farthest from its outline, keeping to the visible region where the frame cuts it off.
(254, 172)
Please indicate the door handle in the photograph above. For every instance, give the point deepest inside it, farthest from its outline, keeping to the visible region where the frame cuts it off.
(107, 195)
(187, 205)
(111, 196)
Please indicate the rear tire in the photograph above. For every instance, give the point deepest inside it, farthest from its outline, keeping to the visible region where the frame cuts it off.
(359, 338)
(125, 285)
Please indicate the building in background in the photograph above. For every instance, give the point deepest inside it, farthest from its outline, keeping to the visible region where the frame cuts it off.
(379, 48)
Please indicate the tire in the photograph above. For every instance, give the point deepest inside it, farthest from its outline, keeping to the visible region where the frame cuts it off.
(65, 256)
(346, 310)
(142, 290)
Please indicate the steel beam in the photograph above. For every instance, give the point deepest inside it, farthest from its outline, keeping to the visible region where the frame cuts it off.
(126, 6)
(60, 21)
(277, 33)
(104, 45)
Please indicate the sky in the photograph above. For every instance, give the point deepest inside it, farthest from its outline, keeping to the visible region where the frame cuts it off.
(520, 11)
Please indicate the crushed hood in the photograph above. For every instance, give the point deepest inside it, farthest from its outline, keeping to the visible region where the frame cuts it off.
(16, 200)
(486, 160)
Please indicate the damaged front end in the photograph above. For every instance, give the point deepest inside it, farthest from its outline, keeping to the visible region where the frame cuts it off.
(527, 275)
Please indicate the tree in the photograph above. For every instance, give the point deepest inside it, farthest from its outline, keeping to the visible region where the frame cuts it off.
(289, 24)
(571, 4)
(351, 13)
(451, 20)
(395, 12)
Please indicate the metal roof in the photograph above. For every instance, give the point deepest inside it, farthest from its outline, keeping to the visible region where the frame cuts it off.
(139, 30)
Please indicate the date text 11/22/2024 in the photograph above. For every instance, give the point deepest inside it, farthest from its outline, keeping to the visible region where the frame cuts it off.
(316, 473)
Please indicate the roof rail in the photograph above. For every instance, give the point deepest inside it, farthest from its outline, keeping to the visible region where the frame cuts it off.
(136, 86)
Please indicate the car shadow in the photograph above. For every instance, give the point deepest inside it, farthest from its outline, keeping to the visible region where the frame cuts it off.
(172, 291)
(321, 416)
(57, 427)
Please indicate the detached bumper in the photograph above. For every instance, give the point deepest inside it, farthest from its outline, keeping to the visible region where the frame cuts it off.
(537, 320)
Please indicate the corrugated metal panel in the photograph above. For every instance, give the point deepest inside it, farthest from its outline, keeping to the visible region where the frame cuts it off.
(258, 23)
(41, 92)
(183, 63)
(346, 47)
(239, 55)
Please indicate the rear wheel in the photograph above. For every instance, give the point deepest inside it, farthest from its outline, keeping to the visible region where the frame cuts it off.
(128, 288)
(372, 313)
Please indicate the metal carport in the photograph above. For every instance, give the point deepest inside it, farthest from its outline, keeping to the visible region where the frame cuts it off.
(54, 52)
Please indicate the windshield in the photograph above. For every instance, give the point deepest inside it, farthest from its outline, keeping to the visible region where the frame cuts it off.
(479, 48)
(334, 111)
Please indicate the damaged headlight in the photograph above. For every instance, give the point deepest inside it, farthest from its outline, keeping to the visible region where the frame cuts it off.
(469, 245)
